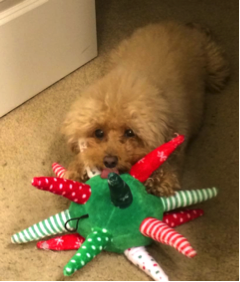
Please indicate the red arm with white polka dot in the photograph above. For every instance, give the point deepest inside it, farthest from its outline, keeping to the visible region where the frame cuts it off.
(174, 219)
(72, 190)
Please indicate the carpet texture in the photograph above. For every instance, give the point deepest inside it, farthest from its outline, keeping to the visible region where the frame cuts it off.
(30, 142)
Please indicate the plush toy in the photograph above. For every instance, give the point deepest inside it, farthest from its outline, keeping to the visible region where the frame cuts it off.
(116, 215)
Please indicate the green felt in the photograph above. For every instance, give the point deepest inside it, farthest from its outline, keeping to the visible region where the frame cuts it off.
(122, 224)
(94, 244)
(120, 193)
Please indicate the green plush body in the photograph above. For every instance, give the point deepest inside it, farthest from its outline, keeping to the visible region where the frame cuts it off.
(113, 214)
(122, 224)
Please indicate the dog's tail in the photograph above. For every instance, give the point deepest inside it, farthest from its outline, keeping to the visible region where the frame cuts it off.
(217, 64)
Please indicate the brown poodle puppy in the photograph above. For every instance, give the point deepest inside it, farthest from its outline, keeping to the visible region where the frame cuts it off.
(154, 88)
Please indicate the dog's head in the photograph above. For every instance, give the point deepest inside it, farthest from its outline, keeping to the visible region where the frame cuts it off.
(115, 123)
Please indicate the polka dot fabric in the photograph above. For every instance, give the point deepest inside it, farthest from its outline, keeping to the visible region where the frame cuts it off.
(104, 213)
(94, 244)
(72, 190)
(141, 258)
(174, 219)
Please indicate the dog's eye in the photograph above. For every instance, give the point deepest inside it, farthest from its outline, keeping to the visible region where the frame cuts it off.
(129, 133)
(99, 133)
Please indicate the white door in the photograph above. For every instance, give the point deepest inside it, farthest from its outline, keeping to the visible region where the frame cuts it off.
(41, 41)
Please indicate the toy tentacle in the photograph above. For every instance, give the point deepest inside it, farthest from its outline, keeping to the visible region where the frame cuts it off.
(143, 169)
(72, 190)
(94, 244)
(162, 233)
(58, 170)
(121, 195)
(50, 226)
(187, 198)
(141, 258)
(174, 219)
(62, 243)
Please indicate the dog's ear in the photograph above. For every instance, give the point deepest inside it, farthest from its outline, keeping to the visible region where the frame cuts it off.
(72, 129)
(82, 144)
(68, 130)
(74, 147)
(156, 132)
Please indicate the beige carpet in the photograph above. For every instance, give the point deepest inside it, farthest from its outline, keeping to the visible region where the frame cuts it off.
(30, 142)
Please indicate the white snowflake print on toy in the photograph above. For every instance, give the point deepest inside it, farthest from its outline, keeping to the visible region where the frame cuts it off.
(62, 243)
(78, 243)
(59, 241)
(45, 246)
(161, 156)
(103, 236)
(141, 161)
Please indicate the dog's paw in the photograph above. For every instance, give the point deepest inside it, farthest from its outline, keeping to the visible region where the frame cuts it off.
(163, 183)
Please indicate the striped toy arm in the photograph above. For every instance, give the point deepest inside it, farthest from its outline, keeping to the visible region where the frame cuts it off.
(58, 170)
(187, 198)
(161, 232)
(53, 225)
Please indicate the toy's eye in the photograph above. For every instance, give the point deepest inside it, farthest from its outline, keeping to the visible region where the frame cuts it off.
(129, 133)
(99, 133)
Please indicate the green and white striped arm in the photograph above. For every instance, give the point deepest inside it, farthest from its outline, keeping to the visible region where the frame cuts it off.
(50, 226)
(187, 198)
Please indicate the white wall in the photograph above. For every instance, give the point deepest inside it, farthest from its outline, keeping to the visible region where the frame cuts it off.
(42, 45)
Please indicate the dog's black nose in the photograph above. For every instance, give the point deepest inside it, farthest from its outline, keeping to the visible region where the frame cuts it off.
(110, 162)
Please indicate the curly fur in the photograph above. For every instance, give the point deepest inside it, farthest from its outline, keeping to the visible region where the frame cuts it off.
(155, 85)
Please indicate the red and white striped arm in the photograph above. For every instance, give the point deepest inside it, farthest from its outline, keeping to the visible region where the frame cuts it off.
(72, 190)
(58, 170)
(161, 232)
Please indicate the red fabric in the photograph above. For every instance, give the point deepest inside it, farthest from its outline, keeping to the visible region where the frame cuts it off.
(174, 219)
(58, 170)
(72, 190)
(143, 169)
(62, 243)
(161, 232)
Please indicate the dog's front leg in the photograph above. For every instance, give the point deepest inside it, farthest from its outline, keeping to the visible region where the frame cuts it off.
(164, 181)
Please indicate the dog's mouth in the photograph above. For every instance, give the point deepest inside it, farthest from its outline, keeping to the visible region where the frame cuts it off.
(105, 172)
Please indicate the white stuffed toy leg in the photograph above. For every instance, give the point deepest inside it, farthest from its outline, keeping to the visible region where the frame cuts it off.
(141, 258)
